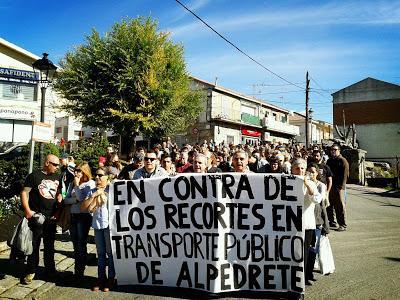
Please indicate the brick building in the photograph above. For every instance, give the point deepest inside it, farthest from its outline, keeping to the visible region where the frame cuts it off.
(374, 107)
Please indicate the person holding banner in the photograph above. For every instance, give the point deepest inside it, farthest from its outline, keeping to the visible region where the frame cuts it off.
(311, 197)
(96, 203)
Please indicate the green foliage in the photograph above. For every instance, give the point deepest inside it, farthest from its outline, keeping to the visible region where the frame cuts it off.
(133, 79)
(90, 150)
(13, 172)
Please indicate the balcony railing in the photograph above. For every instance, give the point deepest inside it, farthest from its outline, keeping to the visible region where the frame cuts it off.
(250, 119)
(274, 125)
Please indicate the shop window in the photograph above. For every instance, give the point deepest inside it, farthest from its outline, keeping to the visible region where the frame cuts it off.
(17, 91)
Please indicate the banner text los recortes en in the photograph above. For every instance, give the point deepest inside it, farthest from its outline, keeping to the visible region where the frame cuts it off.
(214, 232)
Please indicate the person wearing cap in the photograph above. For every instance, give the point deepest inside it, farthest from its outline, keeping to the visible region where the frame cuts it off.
(128, 171)
(39, 197)
(67, 175)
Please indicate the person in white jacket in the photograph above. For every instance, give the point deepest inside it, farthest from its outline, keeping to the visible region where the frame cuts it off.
(311, 197)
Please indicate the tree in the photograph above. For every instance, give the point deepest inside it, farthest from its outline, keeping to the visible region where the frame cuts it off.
(133, 79)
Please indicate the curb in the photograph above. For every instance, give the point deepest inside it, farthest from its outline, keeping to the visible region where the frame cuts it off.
(10, 286)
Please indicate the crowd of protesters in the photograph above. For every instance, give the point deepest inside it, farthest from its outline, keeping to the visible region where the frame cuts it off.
(325, 173)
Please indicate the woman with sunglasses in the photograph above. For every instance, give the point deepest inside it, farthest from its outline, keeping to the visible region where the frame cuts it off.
(80, 220)
(97, 204)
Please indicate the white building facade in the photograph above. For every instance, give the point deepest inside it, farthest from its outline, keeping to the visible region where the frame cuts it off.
(229, 117)
(20, 95)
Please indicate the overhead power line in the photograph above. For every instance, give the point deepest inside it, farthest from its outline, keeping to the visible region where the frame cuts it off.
(236, 47)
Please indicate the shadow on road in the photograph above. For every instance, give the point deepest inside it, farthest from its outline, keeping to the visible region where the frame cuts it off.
(397, 259)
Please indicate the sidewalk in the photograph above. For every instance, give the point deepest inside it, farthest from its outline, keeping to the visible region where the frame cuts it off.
(374, 190)
(10, 272)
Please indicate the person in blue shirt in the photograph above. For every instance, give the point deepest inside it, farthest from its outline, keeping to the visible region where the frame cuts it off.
(97, 204)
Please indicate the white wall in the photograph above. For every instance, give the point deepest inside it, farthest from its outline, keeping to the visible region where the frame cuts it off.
(379, 140)
(224, 132)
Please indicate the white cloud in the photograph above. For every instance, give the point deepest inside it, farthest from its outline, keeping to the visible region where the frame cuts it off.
(194, 5)
(336, 13)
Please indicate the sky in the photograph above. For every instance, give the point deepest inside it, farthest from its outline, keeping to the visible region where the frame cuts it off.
(338, 42)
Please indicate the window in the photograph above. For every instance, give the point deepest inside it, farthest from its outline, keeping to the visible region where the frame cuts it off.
(230, 139)
(58, 129)
(10, 90)
(275, 116)
(248, 110)
(284, 118)
(15, 131)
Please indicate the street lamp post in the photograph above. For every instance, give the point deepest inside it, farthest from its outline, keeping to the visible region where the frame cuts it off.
(46, 72)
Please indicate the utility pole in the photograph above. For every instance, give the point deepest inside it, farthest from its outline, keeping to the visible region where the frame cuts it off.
(307, 117)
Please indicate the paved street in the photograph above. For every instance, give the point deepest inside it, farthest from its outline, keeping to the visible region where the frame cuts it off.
(367, 259)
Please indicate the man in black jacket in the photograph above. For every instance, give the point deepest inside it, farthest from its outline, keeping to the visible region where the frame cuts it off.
(340, 170)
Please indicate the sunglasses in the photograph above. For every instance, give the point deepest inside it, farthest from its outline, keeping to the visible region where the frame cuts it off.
(100, 175)
(54, 164)
(150, 159)
(78, 170)
(335, 149)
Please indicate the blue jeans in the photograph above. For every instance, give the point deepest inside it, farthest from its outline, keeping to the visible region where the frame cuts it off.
(103, 246)
(80, 225)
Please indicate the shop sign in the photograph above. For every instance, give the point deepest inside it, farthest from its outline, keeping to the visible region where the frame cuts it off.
(42, 132)
(251, 133)
(20, 74)
(17, 113)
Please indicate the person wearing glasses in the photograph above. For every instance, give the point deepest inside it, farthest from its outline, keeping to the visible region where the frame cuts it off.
(97, 204)
(151, 167)
(80, 220)
(38, 198)
(340, 170)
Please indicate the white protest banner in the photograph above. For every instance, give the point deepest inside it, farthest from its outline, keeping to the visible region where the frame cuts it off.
(213, 232)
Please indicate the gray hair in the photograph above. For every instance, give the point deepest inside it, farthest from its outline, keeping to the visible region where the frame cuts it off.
(202, 156)
(299, 162)
(241, 151)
